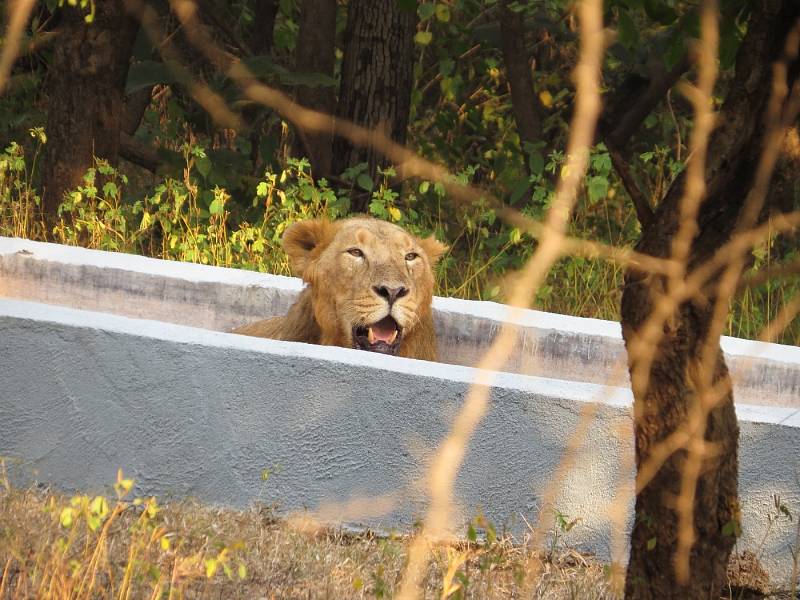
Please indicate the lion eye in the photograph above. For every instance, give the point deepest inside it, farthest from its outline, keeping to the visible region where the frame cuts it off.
(412, 256)
(355, 252)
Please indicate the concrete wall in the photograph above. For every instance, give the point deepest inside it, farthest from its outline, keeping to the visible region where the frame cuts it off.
(550, 345)
(191, 411)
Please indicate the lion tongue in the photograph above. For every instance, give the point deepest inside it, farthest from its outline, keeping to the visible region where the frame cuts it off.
(384, 330)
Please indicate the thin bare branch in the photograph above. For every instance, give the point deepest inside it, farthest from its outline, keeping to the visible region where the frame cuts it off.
(19, 12)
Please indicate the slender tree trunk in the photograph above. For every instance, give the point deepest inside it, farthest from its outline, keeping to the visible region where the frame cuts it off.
(377, 75)
(315, 54)
(518, 73)
(672, 392)
(261, 40)
(86, 88)
(264, 26)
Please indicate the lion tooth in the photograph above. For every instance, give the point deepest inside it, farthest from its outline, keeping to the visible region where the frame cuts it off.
(393, 338)
(370, 335)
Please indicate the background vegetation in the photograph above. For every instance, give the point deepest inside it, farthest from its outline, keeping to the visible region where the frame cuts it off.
(187, 188)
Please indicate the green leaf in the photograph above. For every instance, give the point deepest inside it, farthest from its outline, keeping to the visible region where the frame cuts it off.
(518, 190)
(377, 209)
(601, 163)
(423, 38)
(365, 182)
(597, 188)
(536, 163)
(423, 187)
(651, 543)
(93, 522)
(261, 189)
(216, 207)
(446, 67)
(99, 506)
(203, 165)
(66, 517)
(443, 13)
(110, 190)
(426, 10)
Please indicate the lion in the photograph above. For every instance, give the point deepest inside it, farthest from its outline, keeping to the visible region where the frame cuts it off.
(369, 287)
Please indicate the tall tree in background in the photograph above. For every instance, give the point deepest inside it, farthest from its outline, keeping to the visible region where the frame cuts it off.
(314, 53)
(86, 88)
(518, 73)
(263, 29)
(675, 385)
(376, 80)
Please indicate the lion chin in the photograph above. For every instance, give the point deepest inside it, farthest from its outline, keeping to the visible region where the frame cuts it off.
(369, 287)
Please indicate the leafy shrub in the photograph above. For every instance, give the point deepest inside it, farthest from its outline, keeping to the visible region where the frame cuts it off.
(191, 220)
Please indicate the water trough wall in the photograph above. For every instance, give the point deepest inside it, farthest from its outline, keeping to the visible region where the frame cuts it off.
(110, 360)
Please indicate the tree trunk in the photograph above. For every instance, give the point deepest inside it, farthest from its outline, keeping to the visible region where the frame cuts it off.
(315, 54)
(264, 26)
(85, 88)
(518, 73)
(377, 75)
(672, 391)
(262, 36)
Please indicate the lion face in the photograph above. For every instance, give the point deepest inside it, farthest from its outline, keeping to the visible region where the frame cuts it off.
(371, 282)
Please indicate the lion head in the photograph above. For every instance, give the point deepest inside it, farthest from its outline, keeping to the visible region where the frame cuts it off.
(370, 284)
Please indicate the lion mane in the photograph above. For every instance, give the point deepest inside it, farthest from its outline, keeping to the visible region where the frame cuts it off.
(369, 286)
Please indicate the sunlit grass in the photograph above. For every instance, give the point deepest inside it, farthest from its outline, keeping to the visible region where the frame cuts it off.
(58, 547)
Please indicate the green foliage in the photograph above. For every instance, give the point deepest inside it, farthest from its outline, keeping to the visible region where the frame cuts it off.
(190, 219)
(225, 198)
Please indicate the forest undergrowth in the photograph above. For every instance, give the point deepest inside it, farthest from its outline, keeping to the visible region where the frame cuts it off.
(193, 219)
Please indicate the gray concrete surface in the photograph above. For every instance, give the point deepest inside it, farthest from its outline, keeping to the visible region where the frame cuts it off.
(188, 411)
(559, 346)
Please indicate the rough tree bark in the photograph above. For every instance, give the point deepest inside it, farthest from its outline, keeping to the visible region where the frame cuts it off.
(85, 88)
(315, 54)
(518, 73)
(663, 407)
(377, 75)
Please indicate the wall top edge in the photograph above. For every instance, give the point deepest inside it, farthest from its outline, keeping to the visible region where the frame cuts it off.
(617, 397)
(73, 255)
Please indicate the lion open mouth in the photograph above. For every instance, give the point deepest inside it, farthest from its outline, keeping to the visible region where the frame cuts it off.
(383, 336)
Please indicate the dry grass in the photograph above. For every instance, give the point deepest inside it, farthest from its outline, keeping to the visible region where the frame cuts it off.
(142, 550)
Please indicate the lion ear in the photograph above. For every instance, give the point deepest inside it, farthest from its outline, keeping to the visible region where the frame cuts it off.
(433, 248)
(304, 241)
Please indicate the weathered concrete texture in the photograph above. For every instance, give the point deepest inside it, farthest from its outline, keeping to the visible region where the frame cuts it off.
(190, 412)
(558, 346)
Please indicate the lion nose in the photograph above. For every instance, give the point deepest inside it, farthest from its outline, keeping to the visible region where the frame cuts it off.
(390, 294)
